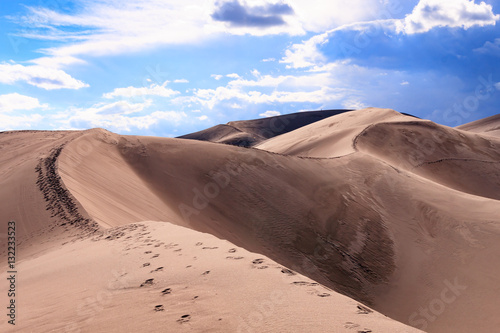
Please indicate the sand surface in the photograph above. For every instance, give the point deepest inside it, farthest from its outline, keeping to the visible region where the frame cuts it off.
(355, 217)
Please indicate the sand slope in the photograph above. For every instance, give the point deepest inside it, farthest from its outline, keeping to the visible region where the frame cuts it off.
(488, 126)
(340, 201)
(158, 277)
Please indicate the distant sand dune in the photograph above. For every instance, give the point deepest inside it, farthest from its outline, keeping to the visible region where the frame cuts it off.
(248, 133)
(488, 126)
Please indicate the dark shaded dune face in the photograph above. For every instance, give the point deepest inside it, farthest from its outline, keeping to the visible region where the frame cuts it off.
(303, 212)
(352, 237)
(457, 159)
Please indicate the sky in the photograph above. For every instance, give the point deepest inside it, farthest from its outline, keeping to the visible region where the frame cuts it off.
(168, 68)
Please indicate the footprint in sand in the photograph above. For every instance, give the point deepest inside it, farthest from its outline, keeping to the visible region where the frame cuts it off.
(206, 273)
(199, 244)
(184, 319)
(234, 258)
(232, 250)
(365, 331)
(166, 291)
(350, 325)
(323, 294)
(155, 256)
(146, 264)
(304, 283)
(159, 308)
(363, 309)
(148, 282)
(148, 252)
(157, 270)
(209, 248)
(287, 271)
(259, 261)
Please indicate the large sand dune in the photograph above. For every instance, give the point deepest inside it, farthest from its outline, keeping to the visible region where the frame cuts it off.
(248, 133)
(396, 213)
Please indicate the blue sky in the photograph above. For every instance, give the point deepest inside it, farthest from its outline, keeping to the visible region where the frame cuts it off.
(167, 68)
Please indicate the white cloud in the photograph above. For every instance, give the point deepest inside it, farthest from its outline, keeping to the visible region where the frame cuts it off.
(210, 97)
(235, 106)
(255, 73)
(117, 117)
(305, 54)
(8, 122)
(404, 83)
(270, 114)
(120, 107)
(39, 76)
(152, 90)
(181, 81)
(268, 59)
(217, 76)
(57, 62)
(497, 85)
(233, 76)
(465, 14)
(305, 81)
(15, 101)
(202, 118)
(354, 104)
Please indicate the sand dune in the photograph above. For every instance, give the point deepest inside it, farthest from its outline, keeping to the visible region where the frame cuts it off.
(398, 214)
(248, 133)
(487, 126)
(418, 146)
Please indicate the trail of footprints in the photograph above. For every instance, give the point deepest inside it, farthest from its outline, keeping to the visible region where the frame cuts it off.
(312, 288)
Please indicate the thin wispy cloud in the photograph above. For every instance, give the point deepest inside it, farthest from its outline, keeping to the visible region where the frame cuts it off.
(39, 76)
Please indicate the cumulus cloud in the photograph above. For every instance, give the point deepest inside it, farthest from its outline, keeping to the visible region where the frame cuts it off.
(117, 117)
(152, 90)
(305, 54)
(236, 14)
(311, 87)
(39, 76)
(270, 114)
(15, 101)
(465, 14)
(9, 122)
